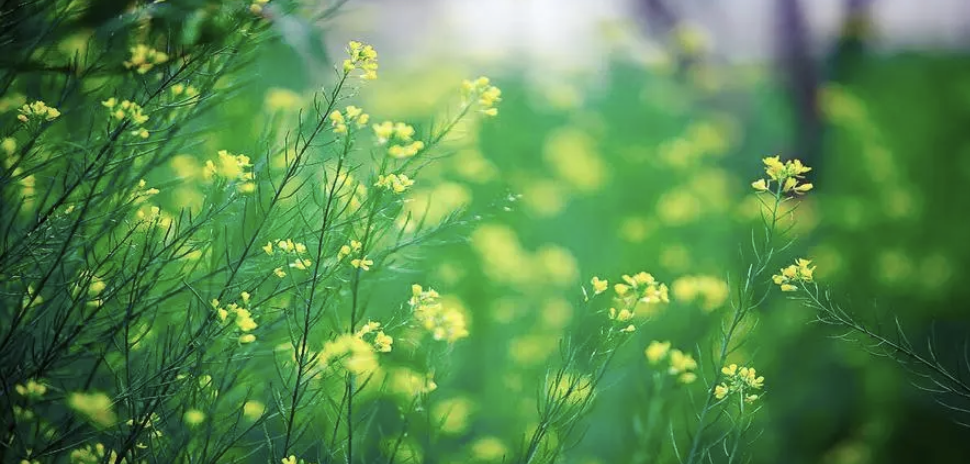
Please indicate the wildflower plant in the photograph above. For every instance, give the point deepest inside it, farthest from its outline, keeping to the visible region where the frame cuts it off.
(724, 420)
(226, 313)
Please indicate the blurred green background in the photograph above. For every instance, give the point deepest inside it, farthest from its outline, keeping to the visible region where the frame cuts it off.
(643, 161)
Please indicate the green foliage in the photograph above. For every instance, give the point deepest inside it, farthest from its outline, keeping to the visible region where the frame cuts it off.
(195, 268)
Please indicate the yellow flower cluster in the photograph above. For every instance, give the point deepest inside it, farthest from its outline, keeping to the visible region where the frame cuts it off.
(444, 323)
(644, 288)
(346, 250)
(32, 389)
(351, 114)
(182, 89)
(350, 352)
(681, 365)
(801, 271)
(362, 57)
(360, 262)
(96, 454)
(710, 291)
(397, 183)
(741, 380)
(257, 6)
(241, 316)
(232, 167)
(149, 216)
(289, 247)
(292, 458)
(95, 407)
(382, 342)
(482, 92)
(36, 111)
(400, 133)
(130, 110)
(143, 58)
(408, 383)
(786, 176)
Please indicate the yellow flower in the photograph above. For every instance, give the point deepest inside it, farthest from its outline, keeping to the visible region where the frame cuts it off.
(301, 264)
(9, 145)
(741, 380)
(289, 460)
(681, 362)
(720, 391)
(143, 58)
(406, 150)
(444, 323)
(480, 91)
(279, 272)
(362, 263)
(801, 271)
(621, 289)
(33, 389)
(349, 352)
(95, 407)
(383, 342)
(711, 291)
(256, 8)
(657, 351)
(351, 114)
(599, 285)
(362, 57)
(281, 99)
(36, 111)
(623, 315)
(774, 168)
(787, 175)
(789, 184)
(94, 454)
(193, 417)
(268, 248)
(398, 183)
(253, 409)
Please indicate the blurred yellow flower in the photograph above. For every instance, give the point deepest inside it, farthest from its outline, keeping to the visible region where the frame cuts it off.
(32, 389)
(253, 409)
(193, 417)
(656, 351)
(710, 291)
(144, 58)
(95, 407)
